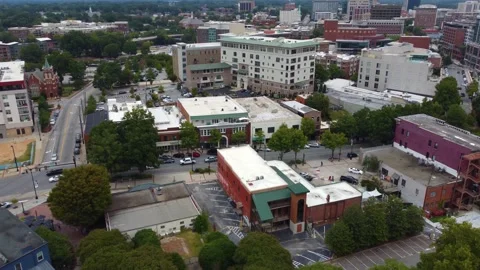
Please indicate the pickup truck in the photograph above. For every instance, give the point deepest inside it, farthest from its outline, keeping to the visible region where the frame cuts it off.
(187, 161)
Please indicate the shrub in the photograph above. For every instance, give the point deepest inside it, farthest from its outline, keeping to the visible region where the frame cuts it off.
(371, 163)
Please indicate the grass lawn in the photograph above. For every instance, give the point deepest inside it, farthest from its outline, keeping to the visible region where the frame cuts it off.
(67, 91)
(24, 157)
(194, 242)
(438, 219)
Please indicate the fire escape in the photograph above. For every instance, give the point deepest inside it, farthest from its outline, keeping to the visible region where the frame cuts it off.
(467, 191)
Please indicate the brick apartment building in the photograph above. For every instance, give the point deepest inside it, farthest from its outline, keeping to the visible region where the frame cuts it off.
(453, 39)
(305, 112)
(270, 195)
(347, 63)
(385, 12)
(466, 192)
(422, 42)
(425, 16)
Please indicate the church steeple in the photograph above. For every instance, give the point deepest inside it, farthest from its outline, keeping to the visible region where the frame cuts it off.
(46, 65)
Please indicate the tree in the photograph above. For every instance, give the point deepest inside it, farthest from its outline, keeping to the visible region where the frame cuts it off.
(298, 141)
(91, 105)
(259, 137)
(139, 137)
(217, 254)
(396, 218)
(200, 224)
(107, 74)
(81, 196)
(262, 251)
(335, 72)
(215, 137)
(281, 140)
(130, 47)
(354, 77)
(457, 248)
(150, 75)
(61, 250)
(77, 71)
(456, 116)
(321, 74)
(308, 127)
(98, 239)
(320, 266)
(447, 60)
(446, 93)
(177, 260)
(189, 135)
(31, 53)
(320, 102)
(391, 264)
(339, 239)
(362, 116)
(145, 49)
(356, 221)
(104, 147)
(61, 62)
(333, 141)
(112, 50)
(317, 32)
(239, 137)
(146, 237)
(414, 216)
(377, 230)
(346, 124)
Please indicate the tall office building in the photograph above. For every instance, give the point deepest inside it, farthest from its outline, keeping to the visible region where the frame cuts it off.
(326, 6)
(410, 4)
(358, 10)
(246, 5)
(426, 16)
(385, 12)
(468, 6)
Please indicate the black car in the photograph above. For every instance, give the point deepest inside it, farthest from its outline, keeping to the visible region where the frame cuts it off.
(78, 138)
(77, 145)
(179, 155)
(212, 152)
(164, 157)
(54, 172)
(76, 151)
(349, 179)
(122, 92)
(352, 155)
(169, 160)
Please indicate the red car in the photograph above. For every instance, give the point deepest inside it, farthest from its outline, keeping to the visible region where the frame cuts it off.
(195, 154)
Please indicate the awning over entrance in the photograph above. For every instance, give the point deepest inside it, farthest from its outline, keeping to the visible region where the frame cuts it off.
(257, 139)
(261, 201)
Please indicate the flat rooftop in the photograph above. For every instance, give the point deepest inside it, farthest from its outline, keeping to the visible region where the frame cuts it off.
(318, 195)
(409, 165)
(194, 46)
(297, 106)
(12, 71)
(270, 41)
(441, 128)
(262, 109)
(152, 214)
(207, 106)
(116, 110)
(167, 117)
(255, 173)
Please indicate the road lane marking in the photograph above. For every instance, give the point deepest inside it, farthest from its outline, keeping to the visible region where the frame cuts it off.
(65, 124)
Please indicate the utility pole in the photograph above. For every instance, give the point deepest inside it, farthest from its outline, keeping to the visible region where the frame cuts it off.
(34, 186)
(74, 161)
(81, 125)
(14, 157)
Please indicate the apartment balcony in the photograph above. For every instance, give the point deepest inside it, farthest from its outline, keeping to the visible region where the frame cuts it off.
(278, 205)
(462, 206)
(468, 190)
(243, 72)
(281, 218)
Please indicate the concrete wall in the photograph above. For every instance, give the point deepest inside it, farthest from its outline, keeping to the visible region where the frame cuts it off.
(275, 124)
(330, 212)
(168, 227)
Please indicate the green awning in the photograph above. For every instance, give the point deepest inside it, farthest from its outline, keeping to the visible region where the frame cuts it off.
(296, 188)
(257, 139)
(261, 201)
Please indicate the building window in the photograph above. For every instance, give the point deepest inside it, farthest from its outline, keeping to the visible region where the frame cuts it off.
(181, 222)
(377, 72)
(435, 145)
(406, 145)
(366, 84)
(174, 228)
(429, 142)
(401, 143)
(40, 256)
(375, 85)
(416, 191)
(224, 52)
(295, 126)
(8, 112)
(10, 119)
(6, 104)
(258, 130)
(433, 194)
(18, 266)
(403, 131)
(234, 53)
(408, 133)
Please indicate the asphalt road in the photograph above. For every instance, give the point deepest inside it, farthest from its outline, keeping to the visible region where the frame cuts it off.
(22, 184)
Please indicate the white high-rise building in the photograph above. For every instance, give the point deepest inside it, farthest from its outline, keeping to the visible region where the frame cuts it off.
(358, 10)
(398, 67)
(15, 107)
(270, 65)
(290, 16)
(468, 6)
(326, 6)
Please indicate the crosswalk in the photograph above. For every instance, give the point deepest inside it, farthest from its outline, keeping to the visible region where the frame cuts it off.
(213, 189)
(310, 257)
(236, 231)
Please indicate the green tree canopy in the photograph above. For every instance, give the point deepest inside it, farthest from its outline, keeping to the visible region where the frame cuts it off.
(356, 221)
(281, 140)
(320, 102)
(60, 62)
(320, 266)
(396, 218)
(339, 239)
(262, 251)
(81, 196)
(145, 49)
(189, 135)
(139, 137)
(239, 137)
(298, 141)
(61, 250)
(130, 47)
(377, 230)
(146, 237)
(308, 127)
(346, 124)
(112, 50)
(201, 223)
(457, 116)
(333, 141)
(107, 74)
(104, 146)
(98, 239)
(446, 93)
(391, 264)
(91, 105)
(335, 72)
(150, 75)
(215, 137)
(472, 88)
(31, 53)
(217, 254)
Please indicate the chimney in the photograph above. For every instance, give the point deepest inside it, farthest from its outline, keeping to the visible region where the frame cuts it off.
(328, 198)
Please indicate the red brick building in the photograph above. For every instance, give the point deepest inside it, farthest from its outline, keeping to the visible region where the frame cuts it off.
(417, 41)
(270, 195)
(453, 39)
(347, 63)
(333, 31)
(466, 192)
(43, 81)
(426, 16)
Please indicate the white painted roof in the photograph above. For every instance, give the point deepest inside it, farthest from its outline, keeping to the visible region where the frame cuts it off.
(200, 106)
(12, 71)
(43, 39)
(116, 110)
(248, 165)
(166, 117)
(262, 109)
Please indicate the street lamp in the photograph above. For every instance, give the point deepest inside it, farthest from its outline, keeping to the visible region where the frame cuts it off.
(14, 157)
(33, 183)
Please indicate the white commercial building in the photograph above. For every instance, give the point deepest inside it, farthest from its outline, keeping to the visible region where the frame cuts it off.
(117, 110)
(324, 16)
(468, 6)
(399, 67)
(15, 106)
(326, 6)
(267, 115)
(290, 16)
(271, 65)
(193, 54)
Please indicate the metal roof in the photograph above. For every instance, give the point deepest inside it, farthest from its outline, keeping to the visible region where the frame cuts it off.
(296, 188)
(209, 66)
(261, 201)
(273, 42)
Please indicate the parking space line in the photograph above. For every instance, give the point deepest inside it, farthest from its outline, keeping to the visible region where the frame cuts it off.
(351, 263)
(410, 240)
(388, 255)
(360, 261)
(394, 251)
(218, 200)
(323, 257)
(374, 255)
(300, 255)
(231, 219)
(366, 256)
(402, 249)
(419, 238)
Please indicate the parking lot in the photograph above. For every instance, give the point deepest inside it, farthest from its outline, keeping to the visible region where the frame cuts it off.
(406, 251)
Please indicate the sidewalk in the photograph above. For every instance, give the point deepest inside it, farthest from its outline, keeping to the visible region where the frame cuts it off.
(164, 178)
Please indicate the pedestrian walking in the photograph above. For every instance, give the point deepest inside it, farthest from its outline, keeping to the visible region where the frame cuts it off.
(321, 163)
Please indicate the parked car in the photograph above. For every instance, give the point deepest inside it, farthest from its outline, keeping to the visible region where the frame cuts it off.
(306, 146)
(352, 155)
(5, 204)
(462, 94)
(168, 160)
(78, 137)
(212, 151)
(179, 155)
(54, 157)
(52, 121)
(164, 157)
(77, 145)
(265, 149)
(355, 171)
(76, 151)
(349, 179)
(187, 161)
(314, 145)
(232, 203)
(122, 92)
(54, 172)
(54, 178)
(211, 159)
(195, 154)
